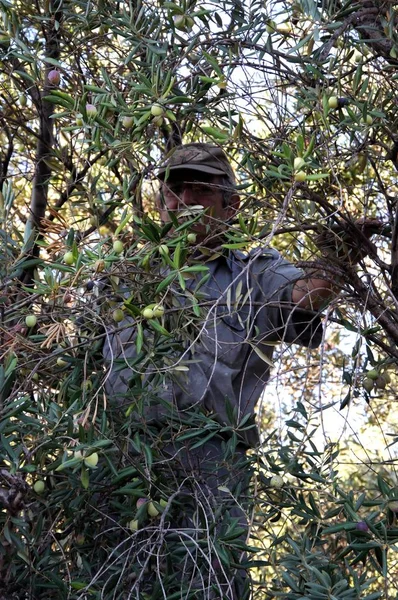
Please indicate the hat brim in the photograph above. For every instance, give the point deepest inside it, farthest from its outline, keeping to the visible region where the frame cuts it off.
(190, 167)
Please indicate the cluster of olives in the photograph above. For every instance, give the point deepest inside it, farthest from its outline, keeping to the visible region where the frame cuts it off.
(153, 509)
(374, 379)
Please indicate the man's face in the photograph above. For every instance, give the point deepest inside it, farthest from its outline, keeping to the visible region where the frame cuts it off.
(185, 189)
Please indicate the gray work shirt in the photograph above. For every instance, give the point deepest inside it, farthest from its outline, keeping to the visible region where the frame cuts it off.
(249, 310)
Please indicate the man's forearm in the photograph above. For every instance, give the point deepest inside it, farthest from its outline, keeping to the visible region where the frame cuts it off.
(315, 292)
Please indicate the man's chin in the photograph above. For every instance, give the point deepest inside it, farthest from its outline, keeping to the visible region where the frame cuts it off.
(206, 235)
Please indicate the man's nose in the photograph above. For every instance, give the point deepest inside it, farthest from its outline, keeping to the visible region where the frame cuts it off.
(187, 195)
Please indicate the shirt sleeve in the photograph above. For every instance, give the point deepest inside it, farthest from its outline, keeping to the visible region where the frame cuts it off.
(277, 318)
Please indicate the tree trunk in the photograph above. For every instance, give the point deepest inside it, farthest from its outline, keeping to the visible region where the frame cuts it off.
(45, 109)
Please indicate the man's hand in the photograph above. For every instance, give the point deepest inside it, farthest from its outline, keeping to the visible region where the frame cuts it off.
(344, 243)
(348, 242)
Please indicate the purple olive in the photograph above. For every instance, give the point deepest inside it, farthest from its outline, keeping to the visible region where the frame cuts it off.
(54, 77)
(215, 563)
(141, 502)
(362, 526)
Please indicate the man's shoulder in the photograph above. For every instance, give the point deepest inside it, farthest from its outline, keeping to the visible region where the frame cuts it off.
(265, 265)
(259, 254)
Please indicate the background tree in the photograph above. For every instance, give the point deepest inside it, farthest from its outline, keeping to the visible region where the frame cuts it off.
(302, 96)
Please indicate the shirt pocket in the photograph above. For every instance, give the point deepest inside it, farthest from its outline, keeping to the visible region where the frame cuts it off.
(225, 337)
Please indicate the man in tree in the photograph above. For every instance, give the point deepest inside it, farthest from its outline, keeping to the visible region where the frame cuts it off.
(255, 299)
(199, 420)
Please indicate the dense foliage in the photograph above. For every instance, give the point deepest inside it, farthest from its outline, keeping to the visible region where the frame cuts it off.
(302, 96)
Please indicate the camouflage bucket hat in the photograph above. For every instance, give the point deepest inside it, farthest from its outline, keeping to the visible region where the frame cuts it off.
(205, 158)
